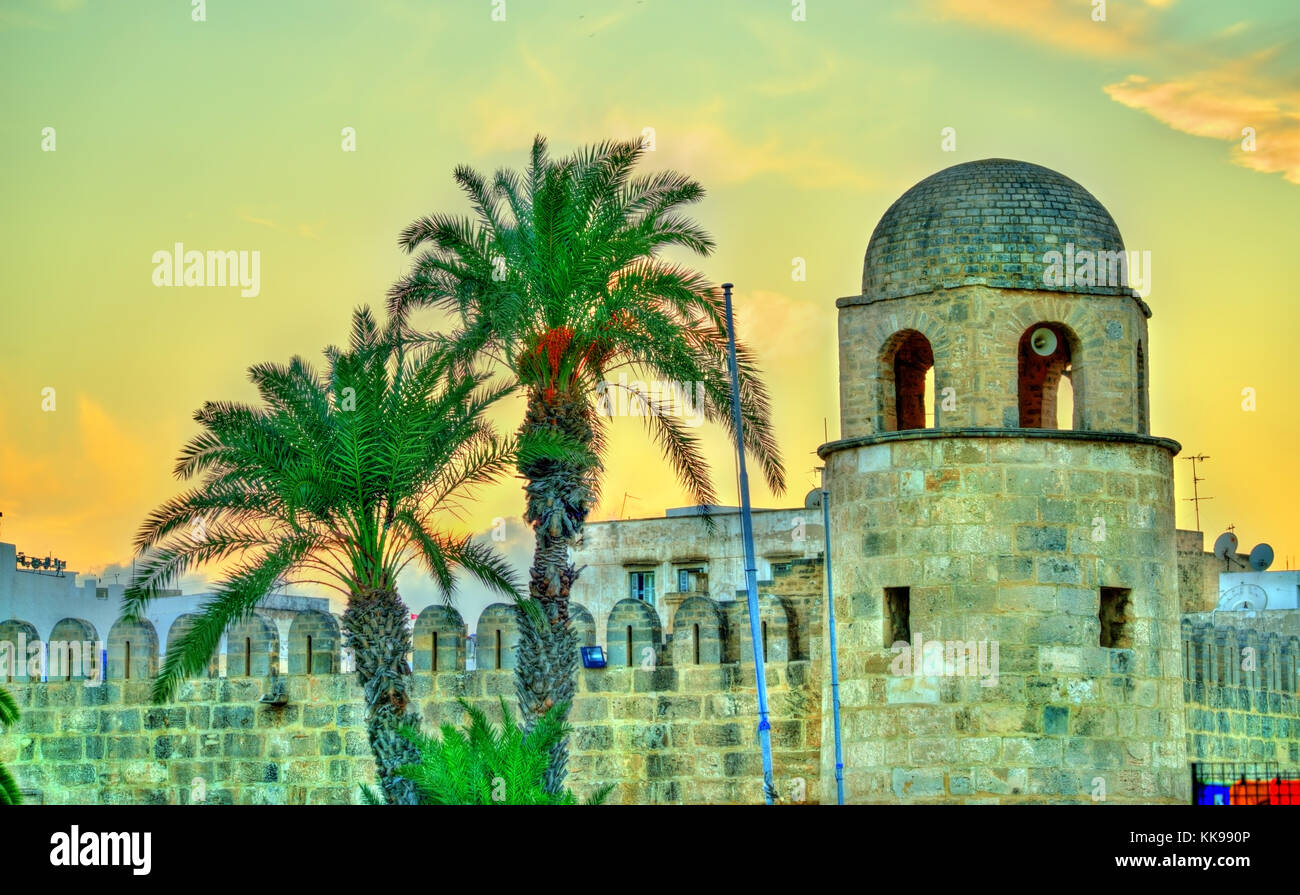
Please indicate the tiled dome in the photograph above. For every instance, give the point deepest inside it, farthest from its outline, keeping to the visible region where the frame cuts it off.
(988, 222)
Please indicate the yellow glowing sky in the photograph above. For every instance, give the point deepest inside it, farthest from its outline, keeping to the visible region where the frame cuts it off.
(225, 134)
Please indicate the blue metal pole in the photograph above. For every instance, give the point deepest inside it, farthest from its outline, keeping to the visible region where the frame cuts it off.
(835, 664)
(751, 569)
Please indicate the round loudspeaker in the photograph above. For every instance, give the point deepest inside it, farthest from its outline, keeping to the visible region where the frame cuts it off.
(1043, 341)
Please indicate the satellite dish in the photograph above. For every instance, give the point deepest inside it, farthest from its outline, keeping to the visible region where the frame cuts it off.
(1043, 341)
(1243, 598)
(1225, 545)
(813, 500)
(1261, 557)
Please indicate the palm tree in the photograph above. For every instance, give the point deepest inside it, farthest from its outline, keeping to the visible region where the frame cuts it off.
(490, 765)
(336, 480)
(558, 282)
(9, 792)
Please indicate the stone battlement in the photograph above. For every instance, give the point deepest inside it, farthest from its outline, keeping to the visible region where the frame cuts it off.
(663, 735)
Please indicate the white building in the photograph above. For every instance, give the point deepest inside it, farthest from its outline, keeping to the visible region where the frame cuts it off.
(663, 560)
(38, 605)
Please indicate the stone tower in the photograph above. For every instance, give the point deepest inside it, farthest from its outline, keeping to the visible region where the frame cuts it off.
(1026, 559)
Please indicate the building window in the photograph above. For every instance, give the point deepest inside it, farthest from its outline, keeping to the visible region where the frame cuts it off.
(690, 580)
(1046, 390)
(642, 586)
(898, 615)
(906, 374)
(1114, 616)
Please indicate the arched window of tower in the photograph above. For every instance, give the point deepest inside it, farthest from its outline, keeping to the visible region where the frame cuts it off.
(1048, 386)
(907, 382)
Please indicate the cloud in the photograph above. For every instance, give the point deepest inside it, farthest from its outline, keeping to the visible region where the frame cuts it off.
(700, 142)
(76, 483)
(1219, 105)
(305, 230)
(1066, 24)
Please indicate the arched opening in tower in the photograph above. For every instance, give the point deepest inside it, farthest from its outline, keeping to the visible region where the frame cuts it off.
(1046, 387)
(909, 362)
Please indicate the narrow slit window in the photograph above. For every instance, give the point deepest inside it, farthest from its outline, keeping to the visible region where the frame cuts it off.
(898, 615)
(1114, 617)
(309, 656)
(697, 644)
(629, 646)
(498, 647)
(127, 663)
(433, 651)
(248, 657)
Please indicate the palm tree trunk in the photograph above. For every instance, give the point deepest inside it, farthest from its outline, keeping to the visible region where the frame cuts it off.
(374, 626)
(560, 494)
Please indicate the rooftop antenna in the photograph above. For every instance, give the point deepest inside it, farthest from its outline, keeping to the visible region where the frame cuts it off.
(621, 513)
(1196, 496)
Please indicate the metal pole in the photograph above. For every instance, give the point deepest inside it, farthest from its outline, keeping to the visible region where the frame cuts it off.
(835, 664)
(751, 570)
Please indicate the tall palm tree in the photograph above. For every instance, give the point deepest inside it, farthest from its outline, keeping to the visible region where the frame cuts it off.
(9, 792)
(336, 479)
(558, 281)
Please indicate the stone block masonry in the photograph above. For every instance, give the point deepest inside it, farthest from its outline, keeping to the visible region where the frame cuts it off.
(662, 736)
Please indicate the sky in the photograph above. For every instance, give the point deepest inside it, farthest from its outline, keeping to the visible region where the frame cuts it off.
(803, 121)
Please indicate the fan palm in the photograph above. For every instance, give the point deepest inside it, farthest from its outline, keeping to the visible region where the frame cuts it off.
(557, 281)
(338, 480)
(9, 792)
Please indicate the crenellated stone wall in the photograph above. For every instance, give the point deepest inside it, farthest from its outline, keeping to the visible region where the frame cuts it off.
(662, 735)
(1242, 687)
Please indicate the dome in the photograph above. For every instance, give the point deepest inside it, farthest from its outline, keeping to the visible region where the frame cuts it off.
(989, 222)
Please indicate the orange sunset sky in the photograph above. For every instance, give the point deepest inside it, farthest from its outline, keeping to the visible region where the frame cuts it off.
(227, 134)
